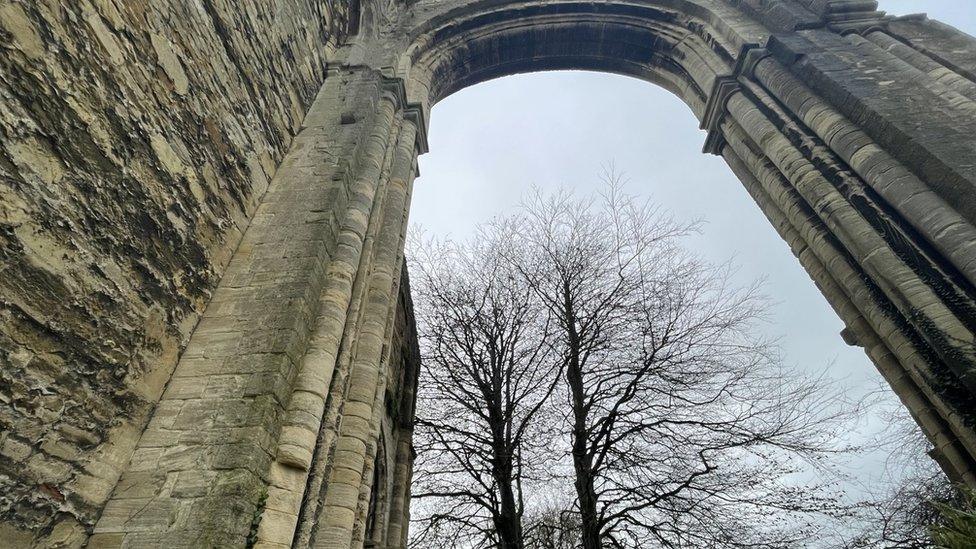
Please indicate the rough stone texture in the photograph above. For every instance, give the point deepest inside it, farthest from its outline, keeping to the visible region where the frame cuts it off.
(137, 145)
(136, 140)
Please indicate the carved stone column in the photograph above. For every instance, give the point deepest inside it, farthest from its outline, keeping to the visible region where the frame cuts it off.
(340, 513)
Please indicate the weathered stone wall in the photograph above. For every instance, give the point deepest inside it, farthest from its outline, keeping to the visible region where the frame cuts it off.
(136, 139)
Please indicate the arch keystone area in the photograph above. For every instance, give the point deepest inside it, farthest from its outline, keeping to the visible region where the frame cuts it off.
(206, 333)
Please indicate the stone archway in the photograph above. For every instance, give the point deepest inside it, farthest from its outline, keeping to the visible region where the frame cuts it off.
(852, 131)
(803, 112)
(881, 242)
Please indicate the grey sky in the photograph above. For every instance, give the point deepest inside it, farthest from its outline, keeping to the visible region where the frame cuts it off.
(491, 142)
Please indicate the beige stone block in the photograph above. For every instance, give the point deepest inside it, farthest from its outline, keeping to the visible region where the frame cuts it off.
(61, 449)
(48, 470)
(288, 478)
(277, 526)
(191, 484)
(185, 387)
(351, 445)
(95, 490)
(358, 409)
(304, 401)
(12, 536)
(105, 541)
(163, 416)
(225, 385)
(102, 469)
(286, 501)
(117, 512)
(25, 36)
(159, 438)
(139, 485)
(356, 427)
(195, 364)
(294, 455)
(145, 459)
(170, 62)
(182, 458)
(298, 435)
(81, 436)
(338, 516)
(15, 450)
(211, 346)
(344, 475)
(67, 534)
(137, 515)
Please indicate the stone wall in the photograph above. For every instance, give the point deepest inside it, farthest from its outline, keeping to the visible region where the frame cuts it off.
(136, 139)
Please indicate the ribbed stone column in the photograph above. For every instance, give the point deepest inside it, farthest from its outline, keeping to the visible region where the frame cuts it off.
(936, 223)
(324, 457)
(399, 194)
(917, 301)
(396, 532)
(203, 474)
(928, 213)
(337, 517)
(845, 288)
(304, 414)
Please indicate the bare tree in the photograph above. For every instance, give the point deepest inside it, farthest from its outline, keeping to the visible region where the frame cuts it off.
(904, 516)
(684, 428)
(487, 374)
(909, 499)
(553, 522)
(678, 426)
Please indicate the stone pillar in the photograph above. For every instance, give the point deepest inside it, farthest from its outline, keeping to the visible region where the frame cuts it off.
(358, 431)
(304, 414)
(848, 292)
(396, 533)
(892, 252)
(401, 190)
(323, 461)
(203, 471)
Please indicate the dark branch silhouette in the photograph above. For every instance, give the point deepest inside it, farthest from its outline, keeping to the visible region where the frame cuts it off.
(488, 373)
(670, 422)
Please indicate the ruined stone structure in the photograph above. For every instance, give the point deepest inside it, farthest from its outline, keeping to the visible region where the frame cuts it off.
(206, 336)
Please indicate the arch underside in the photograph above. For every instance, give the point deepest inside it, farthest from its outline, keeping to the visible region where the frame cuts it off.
(657, 44)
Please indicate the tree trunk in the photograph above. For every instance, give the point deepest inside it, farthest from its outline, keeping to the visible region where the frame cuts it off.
(508, 520)
(582, 460)
(508, 523)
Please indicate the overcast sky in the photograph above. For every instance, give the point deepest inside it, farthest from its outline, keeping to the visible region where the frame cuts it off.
(491, 142)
